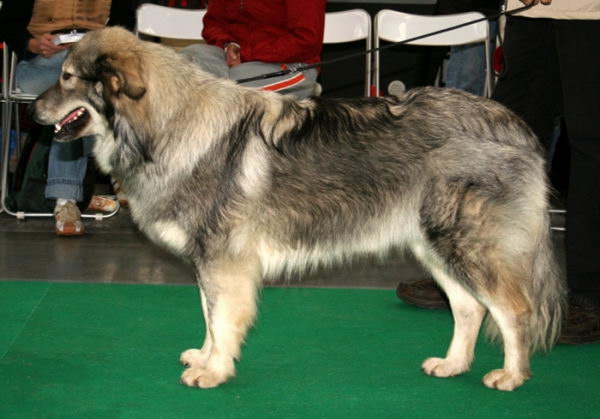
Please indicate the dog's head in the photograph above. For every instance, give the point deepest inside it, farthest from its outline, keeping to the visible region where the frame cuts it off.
(102, 73)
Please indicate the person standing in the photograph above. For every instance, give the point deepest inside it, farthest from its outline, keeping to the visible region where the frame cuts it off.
(551, 72)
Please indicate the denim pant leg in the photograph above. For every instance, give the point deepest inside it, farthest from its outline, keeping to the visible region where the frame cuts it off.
(36, 75)
(466, 66)
(67, 165)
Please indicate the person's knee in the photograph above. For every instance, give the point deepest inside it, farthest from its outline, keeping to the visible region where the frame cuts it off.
(196, 52)
(208, 57)
(37, 75)
(34, 86)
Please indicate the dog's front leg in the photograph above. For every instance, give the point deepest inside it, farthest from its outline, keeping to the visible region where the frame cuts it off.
(198, 357)
(229, 289)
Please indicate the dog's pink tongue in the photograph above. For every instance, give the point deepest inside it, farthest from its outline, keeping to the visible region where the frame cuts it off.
(71, 117)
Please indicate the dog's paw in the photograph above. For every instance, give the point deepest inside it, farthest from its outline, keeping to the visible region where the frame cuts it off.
(503, 380)
(194, 358)
(441, 367)
(202, 377)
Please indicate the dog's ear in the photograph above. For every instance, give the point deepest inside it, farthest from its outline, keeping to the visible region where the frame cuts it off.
(121, 73)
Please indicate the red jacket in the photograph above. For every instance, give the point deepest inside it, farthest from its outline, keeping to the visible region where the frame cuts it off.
(272, 31)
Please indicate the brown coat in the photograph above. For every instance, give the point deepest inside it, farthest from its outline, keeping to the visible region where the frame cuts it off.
(53, 15)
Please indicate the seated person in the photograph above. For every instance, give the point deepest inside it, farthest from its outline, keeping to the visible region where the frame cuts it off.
(30, 27)
(247, 39)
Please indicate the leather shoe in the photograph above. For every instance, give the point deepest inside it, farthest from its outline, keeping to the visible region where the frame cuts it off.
(582, 322)
(424, 293)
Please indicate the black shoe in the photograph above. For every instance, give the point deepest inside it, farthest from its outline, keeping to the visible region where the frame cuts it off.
(424, 293)
(582, 322)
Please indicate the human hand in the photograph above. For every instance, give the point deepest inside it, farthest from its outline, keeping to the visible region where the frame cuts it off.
(534, 2)
(232, 55)
(44, 46)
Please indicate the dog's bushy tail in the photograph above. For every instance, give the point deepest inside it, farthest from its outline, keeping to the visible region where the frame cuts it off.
(546, 292)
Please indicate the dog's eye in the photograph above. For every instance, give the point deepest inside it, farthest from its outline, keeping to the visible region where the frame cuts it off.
(66, 76)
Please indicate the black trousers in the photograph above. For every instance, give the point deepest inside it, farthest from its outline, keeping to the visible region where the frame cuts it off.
(552, 70)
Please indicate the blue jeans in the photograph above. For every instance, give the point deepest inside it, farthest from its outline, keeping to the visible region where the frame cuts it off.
(67, 162)
(466, 66)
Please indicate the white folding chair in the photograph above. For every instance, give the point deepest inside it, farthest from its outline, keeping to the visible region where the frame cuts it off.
(169, 22)
(393, 26)
(12, 97)
(5, 132)
(10, 94)
(349, 26)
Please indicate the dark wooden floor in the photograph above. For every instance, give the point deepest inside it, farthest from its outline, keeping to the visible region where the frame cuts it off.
(113, 250)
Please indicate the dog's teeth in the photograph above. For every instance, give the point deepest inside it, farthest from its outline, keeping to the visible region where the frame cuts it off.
(80, 112)
(56, 127)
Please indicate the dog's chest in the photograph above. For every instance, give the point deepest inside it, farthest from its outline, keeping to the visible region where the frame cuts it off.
(168, 234)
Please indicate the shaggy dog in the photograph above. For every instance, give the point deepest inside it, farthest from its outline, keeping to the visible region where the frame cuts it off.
(245, 184)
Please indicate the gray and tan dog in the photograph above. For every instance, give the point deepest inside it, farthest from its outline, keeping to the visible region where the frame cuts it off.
(246, 184)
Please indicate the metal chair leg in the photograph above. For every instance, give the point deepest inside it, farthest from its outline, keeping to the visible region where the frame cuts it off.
(4, 155)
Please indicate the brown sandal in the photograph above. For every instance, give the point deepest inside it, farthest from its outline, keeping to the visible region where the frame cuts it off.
(68, 220)
(102, 203)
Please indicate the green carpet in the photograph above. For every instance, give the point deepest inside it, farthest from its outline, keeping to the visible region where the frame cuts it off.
(111, 351)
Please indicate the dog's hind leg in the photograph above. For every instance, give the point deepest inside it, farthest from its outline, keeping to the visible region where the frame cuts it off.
(468, 315)
(496, 276)
(503, 295)
(472, 235)
(229, 287)
(499, 285)
(512, 315)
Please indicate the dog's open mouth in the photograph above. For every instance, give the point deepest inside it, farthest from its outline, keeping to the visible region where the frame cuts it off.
(67, 128)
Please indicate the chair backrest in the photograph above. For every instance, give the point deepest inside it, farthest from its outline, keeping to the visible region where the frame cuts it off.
(9, 89)
(396, 26)
(393, 26)
(169, 22)
(347, 26)
(350, 26)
